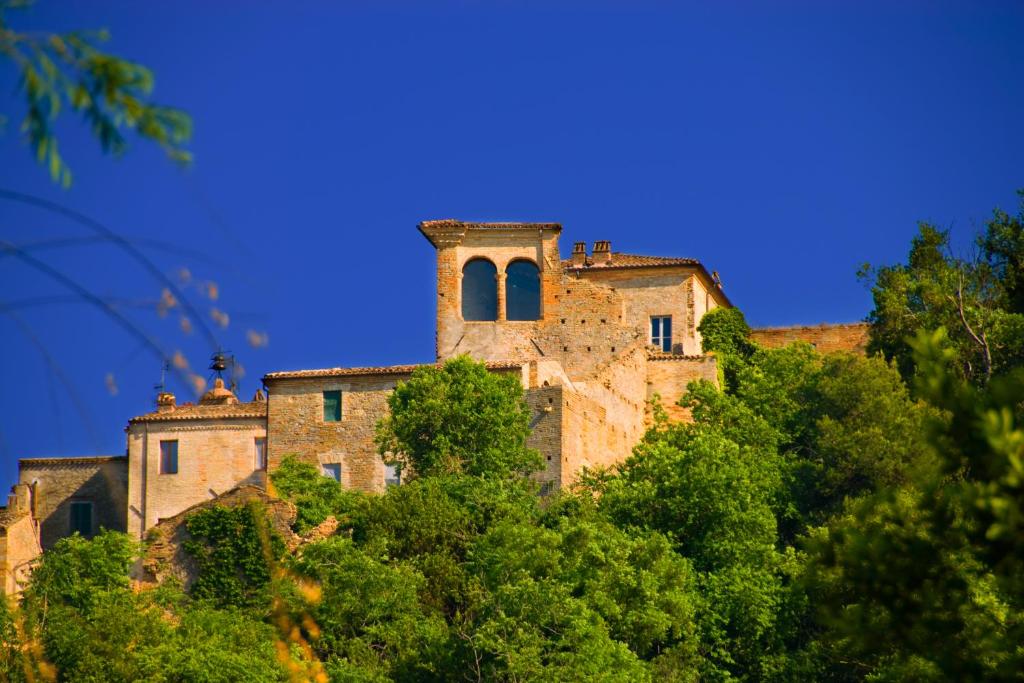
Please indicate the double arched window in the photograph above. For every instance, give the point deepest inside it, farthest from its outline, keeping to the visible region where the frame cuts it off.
(480, 282)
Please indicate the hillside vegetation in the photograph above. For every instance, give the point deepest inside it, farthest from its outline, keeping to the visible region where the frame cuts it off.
(823, 518)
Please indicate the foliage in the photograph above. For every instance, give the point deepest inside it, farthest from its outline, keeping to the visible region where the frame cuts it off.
(925, 581)
(109, 93)
(977, 300)
(724, 330)
(76, 571)
(234, 551)
(315, 496)
(459, 418)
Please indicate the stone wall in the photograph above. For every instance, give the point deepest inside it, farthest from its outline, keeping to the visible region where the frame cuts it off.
(826, 338)
(19, 540)
(546, 415)
(648, 292)
(214, 455)
(100, 480)
(295, 421)
(668, 376)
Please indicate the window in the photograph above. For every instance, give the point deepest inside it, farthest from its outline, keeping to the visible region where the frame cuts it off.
(332, 470)
(392, 475)
(661, 332)
(81, 517)
(479, 290)
(168, 457)
(332, 406)
(261, 453)
(522, 291)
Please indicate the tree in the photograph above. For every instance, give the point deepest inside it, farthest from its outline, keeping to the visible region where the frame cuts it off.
(926, 581)
(109, 93)
(458, 418)
(977, 300)
(1002, 246)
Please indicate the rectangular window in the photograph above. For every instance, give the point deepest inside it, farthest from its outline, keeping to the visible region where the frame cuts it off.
(168, 457)
(81, 517)
(332, 406)
(661, 332)
(332, 470)
(392, 475)
(261, 453)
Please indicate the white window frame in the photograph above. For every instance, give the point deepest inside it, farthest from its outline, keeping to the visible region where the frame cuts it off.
(661, 341)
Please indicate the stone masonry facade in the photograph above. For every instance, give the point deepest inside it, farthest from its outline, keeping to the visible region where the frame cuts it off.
(595, 340)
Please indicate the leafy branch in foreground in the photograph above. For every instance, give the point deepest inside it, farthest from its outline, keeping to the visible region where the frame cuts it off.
(109, 93)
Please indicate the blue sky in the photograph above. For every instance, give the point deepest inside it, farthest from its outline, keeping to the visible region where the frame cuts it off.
(783, 144)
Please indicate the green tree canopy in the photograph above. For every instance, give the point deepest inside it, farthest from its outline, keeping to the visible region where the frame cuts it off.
(458, 418)
(976, 300)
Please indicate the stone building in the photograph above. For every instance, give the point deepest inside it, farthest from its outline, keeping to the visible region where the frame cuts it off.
(593, 339)
(83, 494)
(180, 455)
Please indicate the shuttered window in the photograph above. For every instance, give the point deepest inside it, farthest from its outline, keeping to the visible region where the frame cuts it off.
(332, 406)
(81, 517)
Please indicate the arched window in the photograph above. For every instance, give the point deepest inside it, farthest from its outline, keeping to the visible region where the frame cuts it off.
(522, 291)
(479, 290)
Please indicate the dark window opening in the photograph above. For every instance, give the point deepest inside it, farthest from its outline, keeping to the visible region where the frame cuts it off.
(168, 457)
(81, 517)
(479, 290)
(522, 291)
(332, 406)
(332, 470)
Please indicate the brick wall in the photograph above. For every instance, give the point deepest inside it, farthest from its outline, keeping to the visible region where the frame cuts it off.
(103, 481)
(19, 539)
(214, 455)
(826, 338)
(668, 377)
(296, 426)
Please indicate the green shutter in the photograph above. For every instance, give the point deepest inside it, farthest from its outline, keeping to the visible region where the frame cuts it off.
(81, 518)
(332, 406)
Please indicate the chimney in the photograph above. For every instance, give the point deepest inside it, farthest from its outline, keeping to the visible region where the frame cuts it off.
(164, 402)
(579, 254)
(602, 252)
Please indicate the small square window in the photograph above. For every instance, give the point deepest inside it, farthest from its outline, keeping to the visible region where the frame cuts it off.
(332, 470)
(260, 462)
(81, 517)
(332, 406)
(392, 475)
(168, 457)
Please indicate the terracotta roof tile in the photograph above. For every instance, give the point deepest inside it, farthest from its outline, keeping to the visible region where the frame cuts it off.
(190, 411)
(662, 355)
(632, 261)
(498, 225)
(381, 370)
(69, 460)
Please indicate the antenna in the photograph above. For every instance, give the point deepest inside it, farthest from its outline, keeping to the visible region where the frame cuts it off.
(164, 367)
